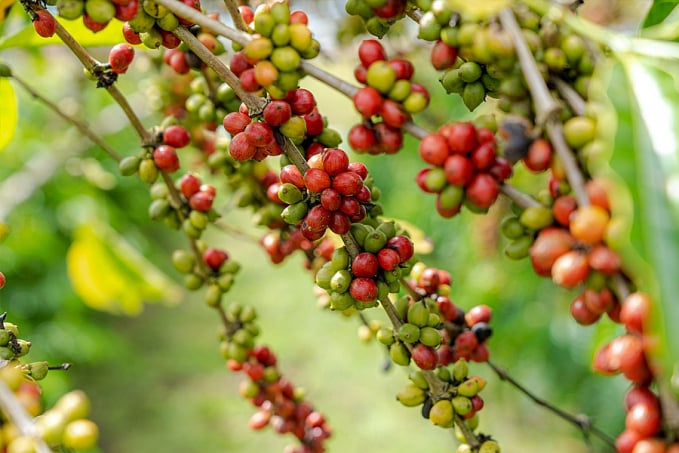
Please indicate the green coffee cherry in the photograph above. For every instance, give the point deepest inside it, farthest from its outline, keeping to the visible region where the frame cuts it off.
(409, 333)
(462, 405)
(418, 379)
(294, 213)
(519, 248)
(385, 335)
(418, 314)
(340, 258)
(470, 72)
(341, 301)
(148, 172)
(399, 354)
(468, 388)
(442, 413)
(340, 281)
(158, 209)
(536, 217)
(192, 282)
(324, 275)
(473, 95)
(375, 241)
(70, 9)
(289, 193)
(430, 336)
(411, 396)
(38, 370)
(129, 165)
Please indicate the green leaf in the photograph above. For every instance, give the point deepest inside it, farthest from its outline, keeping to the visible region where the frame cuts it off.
(108, 274)
(646, 156)
(27, 37)
(8, 118)
(659, 12)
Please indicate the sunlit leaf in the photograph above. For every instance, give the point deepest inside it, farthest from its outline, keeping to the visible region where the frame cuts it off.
(110, 275)
(8, 118)
(27, 37)
(659, 12)
(646, 156)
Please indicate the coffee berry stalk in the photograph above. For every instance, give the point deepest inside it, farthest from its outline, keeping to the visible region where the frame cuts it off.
(279, 404)
(27, 425)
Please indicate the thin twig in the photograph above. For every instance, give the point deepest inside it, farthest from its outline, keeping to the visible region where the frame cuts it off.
(81, 126)
(582, 422)
(254, 103)
(521, 199)
(572, 98)
(546, 107)
(94, 67)
(236, 16)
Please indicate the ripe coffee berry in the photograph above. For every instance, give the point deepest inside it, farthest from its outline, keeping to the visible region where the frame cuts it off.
(165, 158)
(120, 57)
(370, 51)
(277, 112)
(317, 180)
(44, 23)
(214, 258)
(335, 161)
(176, 136)
(189, 184)
(236, 122)
(363, 289)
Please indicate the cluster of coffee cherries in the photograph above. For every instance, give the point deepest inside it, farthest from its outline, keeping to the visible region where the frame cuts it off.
(331, 193)
(183, 60)
(215, 270)
(463, 334)
(153, 24)
(378, 15)
(466, 168)
(372, 274)
(65, 425)
(295, 117)
(280, 244)
(280, 405)
(272, 59)
(163, 157)
(627, 354)
(386, 102)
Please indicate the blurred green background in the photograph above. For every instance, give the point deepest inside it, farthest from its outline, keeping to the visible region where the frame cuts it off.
(157, 381)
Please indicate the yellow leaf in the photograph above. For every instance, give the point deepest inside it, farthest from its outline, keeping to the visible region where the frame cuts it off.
(108, 274)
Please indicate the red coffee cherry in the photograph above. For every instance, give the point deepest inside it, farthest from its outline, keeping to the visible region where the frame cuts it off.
(335, 161)
(637, 395)
(331, 199)
(214, 258)
(644, 418)
(539, 157)
(201, 201)
(626, 441)
(458, 170)
(301, 101)
(339, 223)
(120, 57)
(389, 139)
(371, 50)
(388, 259)
(259, 133)
(236, 122)
(581, 313)
(483, 156)
(359, 168)
(133, 37)
(314, 122)
(3, 280)
(365, 264)
(176, 136)
(424, 357)
(635, 312)
(165, 158)
(443, 56)
(393, 114)
(189, 184)
(461, 137)
(570, 269)
(347, 183)
(362, 138)
(563, 207)
(433, 149)
(317, 219)
(363, 289)
(403, 246)
(482, 190)
(291, 174)
(44, 23)
(549, 245)
(368, 102)
(478, 313)
(241, 147)
(277, 112)
(317, 180)
(403, 68)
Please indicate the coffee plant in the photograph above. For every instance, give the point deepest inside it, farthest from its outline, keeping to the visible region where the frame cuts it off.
(568, 151)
